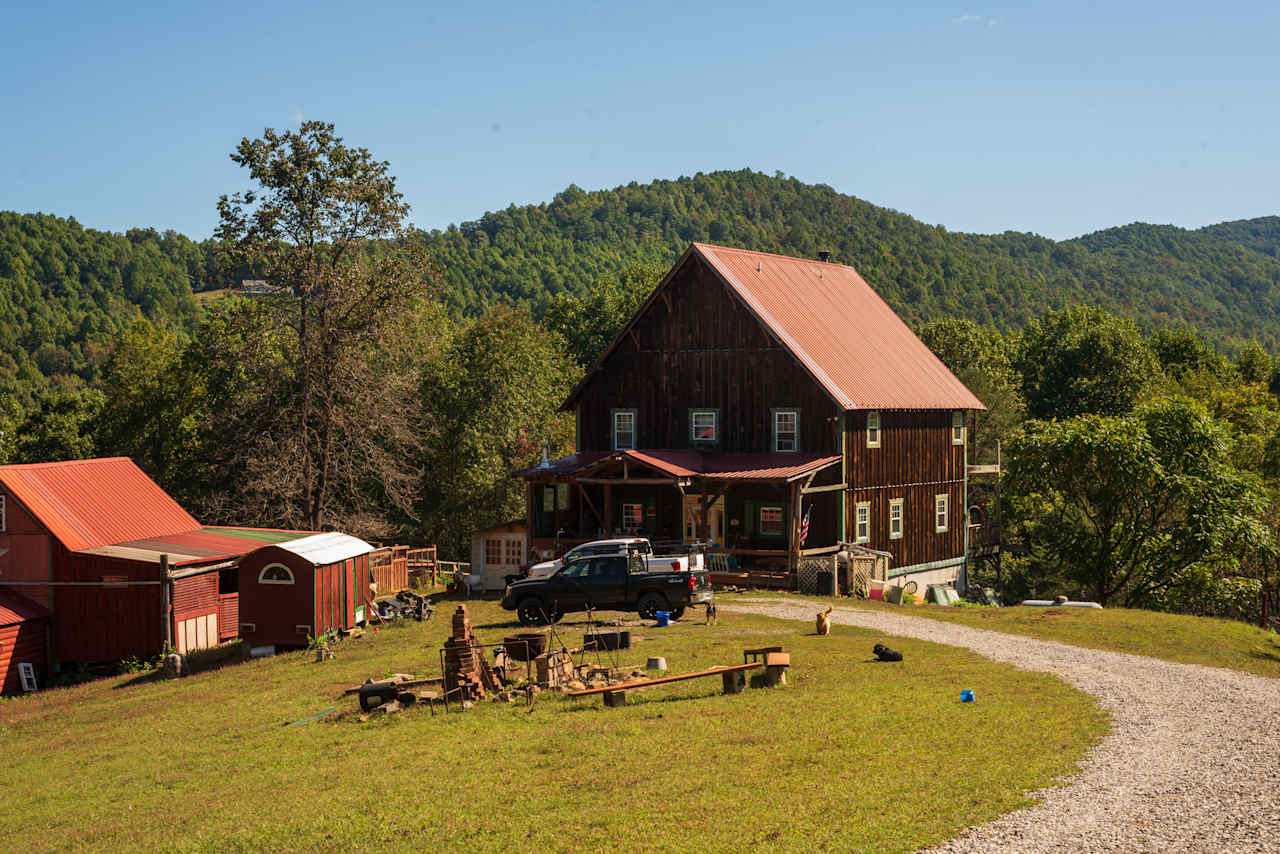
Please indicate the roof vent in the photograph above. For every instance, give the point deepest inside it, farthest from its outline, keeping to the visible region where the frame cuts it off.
(824, 255)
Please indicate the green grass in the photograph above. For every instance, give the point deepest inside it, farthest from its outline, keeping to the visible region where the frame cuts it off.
(1172, 637)
(851, 756)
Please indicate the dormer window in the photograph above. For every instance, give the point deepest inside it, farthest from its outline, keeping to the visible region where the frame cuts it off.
(703, 425)
(873, 429)
(957, 428)
(275, 573)
(786, 429)
(624, 429)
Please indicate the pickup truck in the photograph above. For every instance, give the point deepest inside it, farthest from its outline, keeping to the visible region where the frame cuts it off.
(621, 546)
(609, 583)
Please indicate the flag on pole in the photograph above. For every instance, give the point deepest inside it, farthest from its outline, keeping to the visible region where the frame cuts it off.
(804, 526)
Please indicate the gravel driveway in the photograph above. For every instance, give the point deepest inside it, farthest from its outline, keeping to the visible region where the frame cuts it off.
(1192, 763)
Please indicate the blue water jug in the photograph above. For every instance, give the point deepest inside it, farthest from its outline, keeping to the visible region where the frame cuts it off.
(966, 696)
(664, 619)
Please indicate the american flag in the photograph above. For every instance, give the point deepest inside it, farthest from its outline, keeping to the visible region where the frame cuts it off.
(804, 527)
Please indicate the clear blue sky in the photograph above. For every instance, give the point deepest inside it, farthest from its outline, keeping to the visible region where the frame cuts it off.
(1058, 118)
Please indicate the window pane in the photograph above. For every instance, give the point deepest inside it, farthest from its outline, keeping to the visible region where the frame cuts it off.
(771, 521)
(704, 426)
(632, 516)
(514, 552)
(784, 431)
(624, 430)
(493, 551)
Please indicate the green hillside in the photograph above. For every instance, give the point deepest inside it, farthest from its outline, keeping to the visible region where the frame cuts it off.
(66, 291)
(1261, 234)
(1158, 273)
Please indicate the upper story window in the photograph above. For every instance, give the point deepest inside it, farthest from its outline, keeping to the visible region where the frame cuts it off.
(895, 518)
(862, 522)
(2, 518)
(941, 504)
(873, 429)
(275, 573)
(704, 425)
(624, 429)
(786, 429)
(957, 428)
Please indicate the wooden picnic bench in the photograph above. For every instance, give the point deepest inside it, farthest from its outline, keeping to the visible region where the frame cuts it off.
(733, 676)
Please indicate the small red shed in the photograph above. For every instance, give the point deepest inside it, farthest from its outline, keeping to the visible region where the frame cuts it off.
(24, 644)
(303, 588)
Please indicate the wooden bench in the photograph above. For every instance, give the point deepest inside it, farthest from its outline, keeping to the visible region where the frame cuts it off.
(733, 676)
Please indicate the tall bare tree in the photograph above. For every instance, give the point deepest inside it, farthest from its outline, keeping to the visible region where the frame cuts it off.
(323, 226)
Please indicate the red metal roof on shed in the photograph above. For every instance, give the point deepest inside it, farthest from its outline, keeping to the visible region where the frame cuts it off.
(18, 609)
(840, 329)
(91, 503)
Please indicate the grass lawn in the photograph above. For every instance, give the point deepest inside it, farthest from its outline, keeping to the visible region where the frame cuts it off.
(1173, 637)
(851, 756)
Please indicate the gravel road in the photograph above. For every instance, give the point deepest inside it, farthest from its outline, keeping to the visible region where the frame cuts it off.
(1192, 763)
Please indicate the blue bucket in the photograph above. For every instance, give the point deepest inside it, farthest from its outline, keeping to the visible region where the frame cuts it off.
(966, 696)
(664, 619)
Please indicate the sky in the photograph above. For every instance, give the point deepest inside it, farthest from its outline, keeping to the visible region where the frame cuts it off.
(1055, 118)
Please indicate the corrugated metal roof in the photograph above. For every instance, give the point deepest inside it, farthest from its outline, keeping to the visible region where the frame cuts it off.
(564, 465)
(840, 329)
(321, 549)
(684, 463)
(15, 608)
(91, 503)
(188, 547)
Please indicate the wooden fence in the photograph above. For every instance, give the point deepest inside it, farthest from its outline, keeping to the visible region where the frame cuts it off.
(390, 568)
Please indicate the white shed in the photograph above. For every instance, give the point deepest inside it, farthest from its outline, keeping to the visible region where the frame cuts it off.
(498, 552)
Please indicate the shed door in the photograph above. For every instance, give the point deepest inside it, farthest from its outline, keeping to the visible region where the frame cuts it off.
(350, 592)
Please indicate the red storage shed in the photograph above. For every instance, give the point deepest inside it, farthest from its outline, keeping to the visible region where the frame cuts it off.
(24, 644)
(306, 587)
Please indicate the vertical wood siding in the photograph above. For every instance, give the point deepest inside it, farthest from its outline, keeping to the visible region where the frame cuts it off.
(705, 352)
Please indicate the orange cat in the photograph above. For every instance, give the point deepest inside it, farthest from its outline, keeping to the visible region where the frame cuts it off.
(824, 620)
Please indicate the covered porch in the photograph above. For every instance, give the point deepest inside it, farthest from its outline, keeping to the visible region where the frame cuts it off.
(751, 508)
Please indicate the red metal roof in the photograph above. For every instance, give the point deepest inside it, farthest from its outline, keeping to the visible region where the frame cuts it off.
(840, 330)
(187, 547)
(682, 463)
(18, 609)
(91, 503)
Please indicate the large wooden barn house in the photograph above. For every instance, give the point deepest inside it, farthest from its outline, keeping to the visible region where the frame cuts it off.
(774, 405)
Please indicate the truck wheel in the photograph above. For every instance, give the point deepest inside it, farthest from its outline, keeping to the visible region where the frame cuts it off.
(677, 613)
(650, 604)
(532, 612)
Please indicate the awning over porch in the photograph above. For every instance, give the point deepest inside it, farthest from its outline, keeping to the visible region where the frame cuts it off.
(681, 464)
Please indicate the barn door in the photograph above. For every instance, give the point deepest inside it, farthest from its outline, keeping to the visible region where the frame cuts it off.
(350, 593)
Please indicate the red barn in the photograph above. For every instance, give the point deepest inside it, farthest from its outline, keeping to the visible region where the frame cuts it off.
(303, 588)
(120, 567)
(24, 644)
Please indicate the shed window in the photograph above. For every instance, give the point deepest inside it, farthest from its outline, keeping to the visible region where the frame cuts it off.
(275, 573)
(492, 551)
(624, 429)
(895, 518)
(940, 507)
(514, 552)
(957, 428)
(632, 516)
(862, 522)
(873, 429)
(27, 673)
(771, 521)
(703, 426)
(786, 424)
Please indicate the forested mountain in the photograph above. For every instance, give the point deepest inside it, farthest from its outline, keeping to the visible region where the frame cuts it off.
(1158, 273)
(1261, 234)
(66, 292)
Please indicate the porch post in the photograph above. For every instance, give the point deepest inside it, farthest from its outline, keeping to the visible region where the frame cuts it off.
(793, 543)
(608, 509)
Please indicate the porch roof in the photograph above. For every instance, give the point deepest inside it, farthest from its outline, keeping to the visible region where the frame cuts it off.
(685, 463)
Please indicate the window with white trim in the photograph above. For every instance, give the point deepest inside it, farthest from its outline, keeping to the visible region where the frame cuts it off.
(957, 428)
(703, 426)
(632, 516)
(771, 521)
(873, 429)
(27, 673)
(275, 573)
(786, 429)
(895, 518)
(941, 505)
(862, 522)
(624, 429)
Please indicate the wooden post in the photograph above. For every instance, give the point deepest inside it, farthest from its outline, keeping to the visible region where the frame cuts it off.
(793, 544)
(608, 509)
(166, 605)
